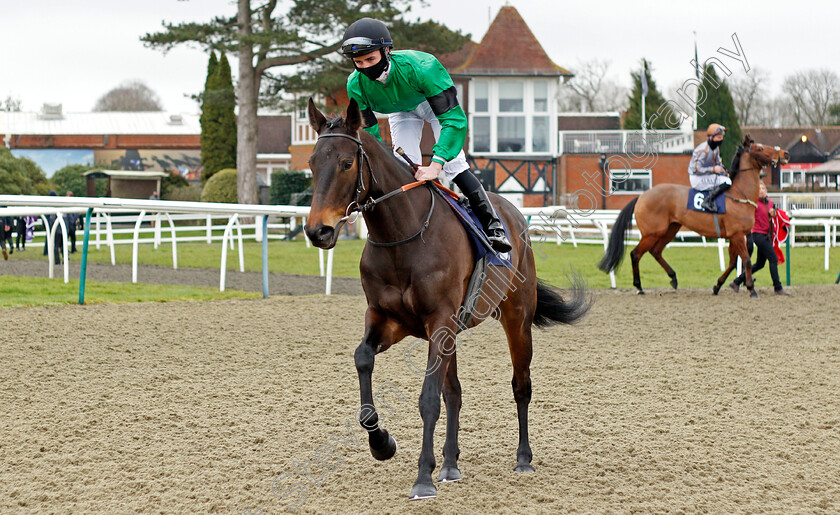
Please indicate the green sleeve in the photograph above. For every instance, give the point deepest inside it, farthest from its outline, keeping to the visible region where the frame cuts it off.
(354, 92)
(453, 133)
(433, 79)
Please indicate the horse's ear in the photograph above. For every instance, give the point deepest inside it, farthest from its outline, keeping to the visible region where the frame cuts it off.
(353, 120)
(747, 140)
(317, 120)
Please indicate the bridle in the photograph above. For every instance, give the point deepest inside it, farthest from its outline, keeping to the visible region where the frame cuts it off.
(355, 208)
(774, 161)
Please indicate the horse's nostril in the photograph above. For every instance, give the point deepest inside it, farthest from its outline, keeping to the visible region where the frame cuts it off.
(324, 234)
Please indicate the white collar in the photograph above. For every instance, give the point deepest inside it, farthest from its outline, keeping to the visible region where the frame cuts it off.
(384, 77)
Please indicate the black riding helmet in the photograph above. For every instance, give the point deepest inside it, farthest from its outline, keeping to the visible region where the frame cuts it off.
(364, 36)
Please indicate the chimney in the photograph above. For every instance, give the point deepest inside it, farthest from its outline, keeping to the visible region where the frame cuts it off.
(51, 112)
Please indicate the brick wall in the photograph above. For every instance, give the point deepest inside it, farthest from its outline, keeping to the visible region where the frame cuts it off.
(118, 141)
(581, 172)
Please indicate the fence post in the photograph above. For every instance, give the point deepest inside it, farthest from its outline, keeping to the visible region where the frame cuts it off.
(787, 258)
(83, 271)
(265, 255)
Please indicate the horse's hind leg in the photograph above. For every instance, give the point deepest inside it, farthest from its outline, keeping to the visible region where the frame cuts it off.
(517, 327)
(657, 249)
(646, 243)
(452, 399)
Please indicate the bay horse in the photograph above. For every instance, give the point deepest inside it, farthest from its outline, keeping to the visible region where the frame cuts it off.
(415, 269)
(662, 210)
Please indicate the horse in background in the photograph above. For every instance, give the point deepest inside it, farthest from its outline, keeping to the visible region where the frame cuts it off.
(662, 210)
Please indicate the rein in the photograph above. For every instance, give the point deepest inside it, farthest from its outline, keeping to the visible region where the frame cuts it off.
(745, 200)
(355, 208)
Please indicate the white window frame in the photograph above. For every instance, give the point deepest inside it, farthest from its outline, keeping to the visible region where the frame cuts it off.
(529, 113)
(635, 173)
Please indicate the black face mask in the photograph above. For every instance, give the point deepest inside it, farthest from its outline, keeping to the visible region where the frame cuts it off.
(714, 144)
(373, 72)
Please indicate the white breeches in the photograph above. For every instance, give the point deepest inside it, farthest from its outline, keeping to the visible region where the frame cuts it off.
(407, 129)
(707, 181)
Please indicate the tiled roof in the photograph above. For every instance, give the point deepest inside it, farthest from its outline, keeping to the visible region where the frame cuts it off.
(589, 122)
(509, 48)
(457, 58)
(153, 123)
(827, 139)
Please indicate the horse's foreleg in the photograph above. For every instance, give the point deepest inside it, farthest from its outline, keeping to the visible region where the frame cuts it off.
(741, 250)
(733, 256)
(452, 398)
(442, 343)
(379, 334)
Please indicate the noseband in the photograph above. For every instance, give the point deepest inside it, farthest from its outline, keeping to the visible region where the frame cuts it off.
(355, 208)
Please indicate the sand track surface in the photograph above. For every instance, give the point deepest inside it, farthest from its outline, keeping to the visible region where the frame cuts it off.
(672, 402)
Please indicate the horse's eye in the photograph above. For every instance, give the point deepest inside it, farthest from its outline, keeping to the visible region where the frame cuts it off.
(348, 165)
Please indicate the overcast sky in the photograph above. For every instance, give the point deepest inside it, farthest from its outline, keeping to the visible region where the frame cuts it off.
(72, 52)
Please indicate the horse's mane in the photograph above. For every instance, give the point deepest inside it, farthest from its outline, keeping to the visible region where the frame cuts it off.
(386, 152)
(736, 162)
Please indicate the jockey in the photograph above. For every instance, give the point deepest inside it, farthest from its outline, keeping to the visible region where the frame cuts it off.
(413, 87)
(706, 171)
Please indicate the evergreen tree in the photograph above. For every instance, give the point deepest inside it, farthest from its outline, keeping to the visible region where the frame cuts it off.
(227, 115)
(209, 122)
(653, 102)
(328, 76)
(266, 36)
(218, 121)
(719, 108)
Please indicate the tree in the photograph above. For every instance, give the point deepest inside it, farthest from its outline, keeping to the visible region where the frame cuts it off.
(264, 39)
(654, 103)
(719, 108)
(749, 94)
(11, 104)
(218, 121)
(590, 90)
(327, 75)
(70, 178)
(132, 95)
(20, 176)
(811, 94)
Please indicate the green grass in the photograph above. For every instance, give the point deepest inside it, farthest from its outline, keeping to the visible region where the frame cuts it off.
(38, 291)
(695, 266)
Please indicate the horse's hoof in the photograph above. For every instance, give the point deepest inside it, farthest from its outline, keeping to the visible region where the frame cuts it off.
(387, 451)
(640, 292)
(674, 283)
(448, 474)
(423, 491)
(753, 294)
(735, 287)
(524, 467)
(716, 289)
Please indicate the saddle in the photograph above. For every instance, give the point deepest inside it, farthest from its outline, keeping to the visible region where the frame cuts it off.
(696, 197)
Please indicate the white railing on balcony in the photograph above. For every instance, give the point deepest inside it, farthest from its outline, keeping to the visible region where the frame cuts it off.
(621, 142)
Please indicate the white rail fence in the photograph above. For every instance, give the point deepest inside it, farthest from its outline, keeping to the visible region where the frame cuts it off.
(111, 220)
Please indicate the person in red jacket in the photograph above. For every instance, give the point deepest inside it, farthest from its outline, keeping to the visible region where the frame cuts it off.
(762, 237)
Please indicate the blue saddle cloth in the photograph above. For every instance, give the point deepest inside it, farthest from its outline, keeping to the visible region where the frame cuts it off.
(479, 241)
(696, 198)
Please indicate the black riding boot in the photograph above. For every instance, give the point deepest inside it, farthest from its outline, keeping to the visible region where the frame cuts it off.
(483, 209)
(709, 203)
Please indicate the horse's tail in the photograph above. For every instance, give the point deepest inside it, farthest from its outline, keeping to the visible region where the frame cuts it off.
(552, 309)
(615, 250)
